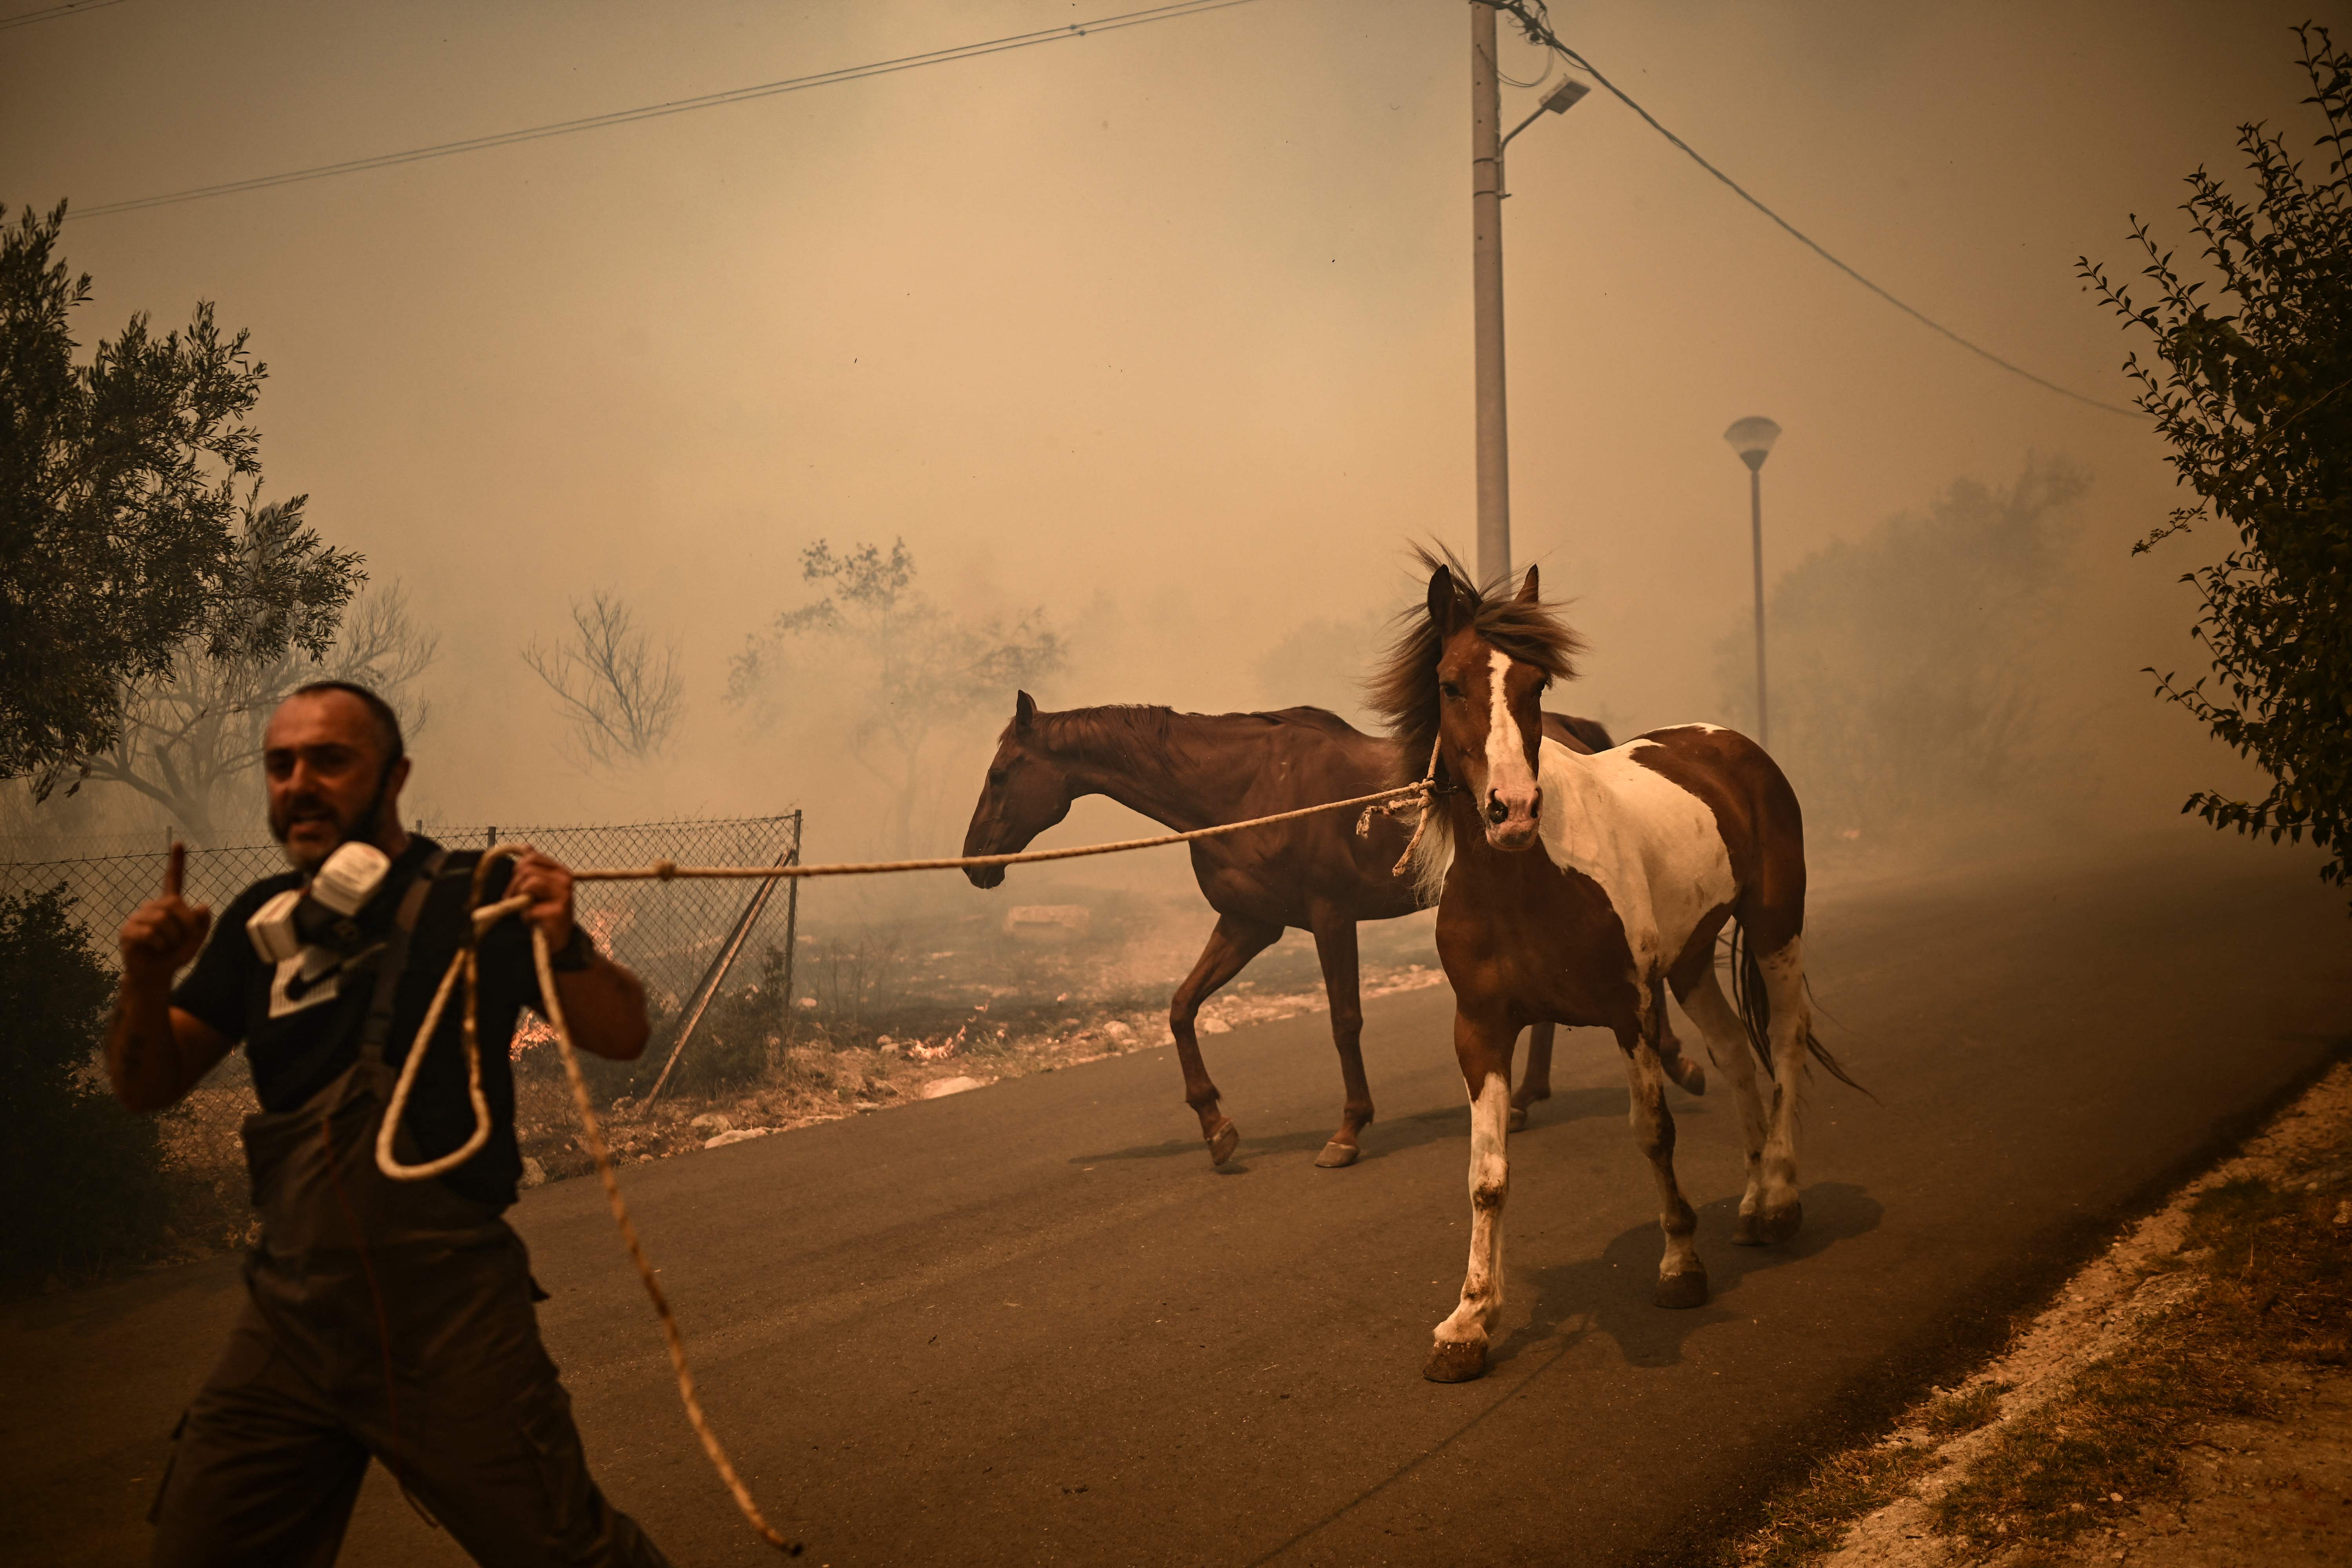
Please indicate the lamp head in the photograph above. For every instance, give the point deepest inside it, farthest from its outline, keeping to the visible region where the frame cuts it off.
(1565, 96)
(1752, 438)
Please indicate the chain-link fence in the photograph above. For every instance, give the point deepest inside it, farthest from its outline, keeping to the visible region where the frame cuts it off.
(671, 933)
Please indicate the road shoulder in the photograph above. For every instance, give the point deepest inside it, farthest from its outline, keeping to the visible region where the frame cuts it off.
(2184, 1399)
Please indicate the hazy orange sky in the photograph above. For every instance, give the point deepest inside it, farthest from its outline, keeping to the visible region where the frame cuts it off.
(1178, 315)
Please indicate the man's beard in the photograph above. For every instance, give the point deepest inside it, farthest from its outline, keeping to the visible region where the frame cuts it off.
(361, 829)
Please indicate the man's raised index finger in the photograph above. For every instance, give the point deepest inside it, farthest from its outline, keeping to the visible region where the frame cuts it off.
(175, 868)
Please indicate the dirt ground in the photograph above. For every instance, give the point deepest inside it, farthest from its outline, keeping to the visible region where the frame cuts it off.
(2248, 1462)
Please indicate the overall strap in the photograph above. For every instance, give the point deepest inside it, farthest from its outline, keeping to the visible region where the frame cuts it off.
(394, 957)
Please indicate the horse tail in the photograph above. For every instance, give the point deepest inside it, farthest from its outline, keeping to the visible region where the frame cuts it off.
(1753, 1001)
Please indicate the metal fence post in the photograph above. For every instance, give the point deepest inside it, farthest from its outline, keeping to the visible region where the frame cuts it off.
(792, 931)
(707, 992)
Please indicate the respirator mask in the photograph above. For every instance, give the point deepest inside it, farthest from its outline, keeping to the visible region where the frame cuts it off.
(319, 923)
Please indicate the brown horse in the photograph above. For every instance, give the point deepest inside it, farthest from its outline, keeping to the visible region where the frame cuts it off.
(1317, 873)
(1574, 889)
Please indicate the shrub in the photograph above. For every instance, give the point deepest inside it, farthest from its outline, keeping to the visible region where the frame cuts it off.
(82, 1177)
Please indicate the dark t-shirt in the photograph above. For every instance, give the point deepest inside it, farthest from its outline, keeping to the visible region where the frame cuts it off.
(298, 1045)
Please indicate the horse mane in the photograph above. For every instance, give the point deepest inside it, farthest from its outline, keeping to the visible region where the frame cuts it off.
(1311, 718)
(1404, 686)
(1125, 729)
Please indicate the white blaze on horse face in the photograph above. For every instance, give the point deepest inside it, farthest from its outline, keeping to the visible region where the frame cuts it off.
(1508, 778)
(1652, 845)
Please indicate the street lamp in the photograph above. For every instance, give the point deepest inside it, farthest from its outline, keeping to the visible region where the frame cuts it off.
(1752, 438)
(1558, 100)
(1487, 143)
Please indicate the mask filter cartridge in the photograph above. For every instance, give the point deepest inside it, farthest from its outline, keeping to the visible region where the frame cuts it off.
(321, 915)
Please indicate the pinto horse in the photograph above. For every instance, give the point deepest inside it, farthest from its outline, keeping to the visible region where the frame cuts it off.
(1575, 889)
(1319, 874)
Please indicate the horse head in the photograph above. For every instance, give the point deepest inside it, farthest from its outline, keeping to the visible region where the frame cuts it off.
(1464, 685)
(1489, 714)
(1027, 792)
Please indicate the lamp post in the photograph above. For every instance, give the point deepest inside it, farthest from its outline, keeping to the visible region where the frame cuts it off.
(1752, 438)
(1486, 144)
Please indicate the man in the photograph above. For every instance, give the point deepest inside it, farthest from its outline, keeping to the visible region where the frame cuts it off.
(384, 1319)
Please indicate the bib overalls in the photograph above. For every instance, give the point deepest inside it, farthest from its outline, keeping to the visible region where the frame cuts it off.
(385, 1320)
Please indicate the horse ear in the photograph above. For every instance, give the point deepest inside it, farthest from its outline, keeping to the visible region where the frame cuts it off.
(1025, 710)
(1528, 591)
(1441, 599)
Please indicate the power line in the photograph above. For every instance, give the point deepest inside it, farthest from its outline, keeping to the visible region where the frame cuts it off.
(1532, 19)
(676, 106)
(51, 13)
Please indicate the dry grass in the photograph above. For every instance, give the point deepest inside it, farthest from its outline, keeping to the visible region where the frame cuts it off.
(2193, 1321)
(2274, 1274)
(1805, 1521)
(1951, 1415)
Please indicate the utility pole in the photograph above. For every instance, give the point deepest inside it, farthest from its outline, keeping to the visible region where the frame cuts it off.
(1486, 272)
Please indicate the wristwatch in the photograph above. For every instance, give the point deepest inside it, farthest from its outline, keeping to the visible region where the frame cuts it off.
(576, 954)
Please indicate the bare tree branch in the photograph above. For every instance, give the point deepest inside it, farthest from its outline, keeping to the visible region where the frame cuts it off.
(621, 696)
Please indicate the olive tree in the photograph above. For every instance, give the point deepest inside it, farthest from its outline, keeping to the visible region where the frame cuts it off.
(127, 481)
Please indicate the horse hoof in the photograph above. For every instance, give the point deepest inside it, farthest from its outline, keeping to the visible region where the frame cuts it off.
(1224, 1141)
(1776, 1225)
(1680, 1292)
(1457, 1362)
(1747, 1233)
(1691, 1075)
(1336, 1156)
(1518, 1120)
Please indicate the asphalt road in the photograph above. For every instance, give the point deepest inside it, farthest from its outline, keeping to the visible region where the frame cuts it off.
(1030, 1324)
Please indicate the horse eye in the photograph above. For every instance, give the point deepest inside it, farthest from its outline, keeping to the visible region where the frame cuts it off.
(1450, 690)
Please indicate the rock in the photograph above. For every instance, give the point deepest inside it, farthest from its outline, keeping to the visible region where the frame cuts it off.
(736, 1135)
(1119, 1030)
(534, 1174)
(713, 1122)
(1214, 1026)
(940, 1088)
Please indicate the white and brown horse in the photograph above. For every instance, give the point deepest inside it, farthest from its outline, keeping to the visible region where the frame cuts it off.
(1575, 889)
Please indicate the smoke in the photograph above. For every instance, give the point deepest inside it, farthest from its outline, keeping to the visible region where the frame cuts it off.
(1165, 332)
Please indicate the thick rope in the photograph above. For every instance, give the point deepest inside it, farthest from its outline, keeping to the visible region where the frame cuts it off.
(666, 870)
(466, 964)
(595, 1135)
(1428, 788)
(386, 1159)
